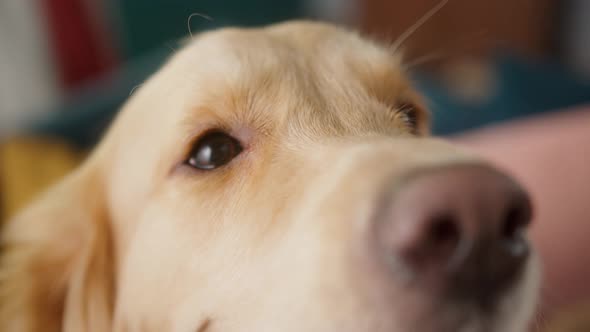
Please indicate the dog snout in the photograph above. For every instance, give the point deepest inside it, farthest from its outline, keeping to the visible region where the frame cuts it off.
(456, 228)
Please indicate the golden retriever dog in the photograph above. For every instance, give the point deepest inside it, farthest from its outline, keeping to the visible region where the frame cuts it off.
(273, 179)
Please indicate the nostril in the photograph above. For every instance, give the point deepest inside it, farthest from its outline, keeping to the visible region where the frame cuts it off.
(516, 219)
(442, 237)
(513, 222)
(444, 231)
(429, 242)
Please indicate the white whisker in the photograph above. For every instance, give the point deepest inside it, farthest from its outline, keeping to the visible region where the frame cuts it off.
(172, 48)
(446, 53)
(419, 23)
(425, 59)
(134, 88)
(188, 21)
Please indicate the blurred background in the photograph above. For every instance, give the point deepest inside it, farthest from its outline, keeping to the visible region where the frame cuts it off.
(66, 66)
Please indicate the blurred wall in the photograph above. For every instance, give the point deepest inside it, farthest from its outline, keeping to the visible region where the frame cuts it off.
(466, 28)
(576, 42)
(28, 82)
(77, 60)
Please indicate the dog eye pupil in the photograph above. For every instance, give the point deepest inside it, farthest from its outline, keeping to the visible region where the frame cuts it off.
(214, 150)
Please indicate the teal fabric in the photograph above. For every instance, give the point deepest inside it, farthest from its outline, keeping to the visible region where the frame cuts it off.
(146, 24)
(523, 89)
(82, 118)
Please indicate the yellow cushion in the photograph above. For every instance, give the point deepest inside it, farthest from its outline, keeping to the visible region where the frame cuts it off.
(28, 166)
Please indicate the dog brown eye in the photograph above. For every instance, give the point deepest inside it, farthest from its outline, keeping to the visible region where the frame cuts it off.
(214, 150)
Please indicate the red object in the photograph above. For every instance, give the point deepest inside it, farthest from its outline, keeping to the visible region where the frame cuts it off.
(81, 51)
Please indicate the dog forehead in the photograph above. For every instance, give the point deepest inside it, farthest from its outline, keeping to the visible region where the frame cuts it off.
(320, 46)
(289, 59)
(291, 77)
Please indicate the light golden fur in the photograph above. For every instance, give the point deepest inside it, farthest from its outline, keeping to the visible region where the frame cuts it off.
(135, 240)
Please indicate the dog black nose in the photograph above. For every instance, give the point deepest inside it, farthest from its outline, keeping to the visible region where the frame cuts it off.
(457, 228)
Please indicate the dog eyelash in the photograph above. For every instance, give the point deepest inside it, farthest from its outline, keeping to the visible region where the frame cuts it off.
(409, 112)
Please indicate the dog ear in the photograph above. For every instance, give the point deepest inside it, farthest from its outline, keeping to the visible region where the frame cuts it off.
(56, 261)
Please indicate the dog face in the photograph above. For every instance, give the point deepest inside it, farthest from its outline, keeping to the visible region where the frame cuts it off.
(277, 179)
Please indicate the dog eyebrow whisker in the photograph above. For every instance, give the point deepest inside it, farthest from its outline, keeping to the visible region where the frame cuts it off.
(448, 51)
(135, 88)
(172, 48)
(416, 26)
(425, 59)
(190, 17)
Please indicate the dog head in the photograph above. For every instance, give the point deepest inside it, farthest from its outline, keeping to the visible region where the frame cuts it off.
(274, 179)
